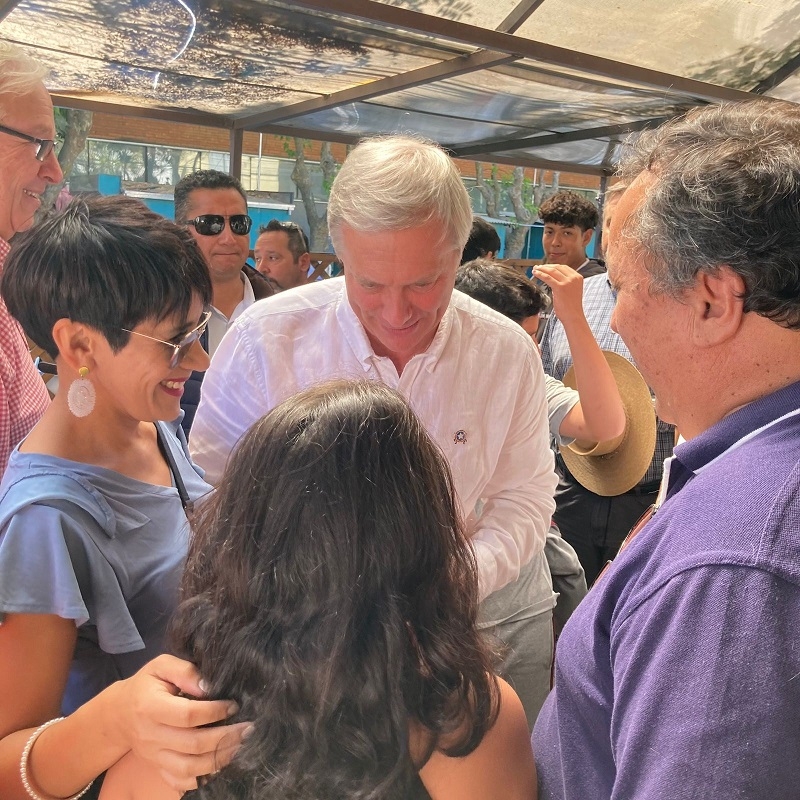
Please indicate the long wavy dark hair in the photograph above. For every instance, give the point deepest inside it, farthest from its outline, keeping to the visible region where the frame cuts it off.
(330, 590)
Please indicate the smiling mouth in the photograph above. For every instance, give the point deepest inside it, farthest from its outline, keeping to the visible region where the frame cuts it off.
(32, 194)
(402, 330)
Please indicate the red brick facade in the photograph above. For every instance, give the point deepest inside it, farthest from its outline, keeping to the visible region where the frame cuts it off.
(148, 131)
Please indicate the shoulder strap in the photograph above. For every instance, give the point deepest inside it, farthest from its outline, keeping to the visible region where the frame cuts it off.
(173, 468)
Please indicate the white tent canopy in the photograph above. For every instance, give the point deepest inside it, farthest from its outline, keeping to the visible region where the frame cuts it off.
(544, 83)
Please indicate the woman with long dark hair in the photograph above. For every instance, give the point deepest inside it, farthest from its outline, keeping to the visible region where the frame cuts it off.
(330, 590)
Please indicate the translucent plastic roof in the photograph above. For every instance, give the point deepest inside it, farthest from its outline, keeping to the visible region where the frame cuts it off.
(538, 82)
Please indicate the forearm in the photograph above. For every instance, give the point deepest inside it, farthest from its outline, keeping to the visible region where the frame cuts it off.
(68, 755)
(603, 416)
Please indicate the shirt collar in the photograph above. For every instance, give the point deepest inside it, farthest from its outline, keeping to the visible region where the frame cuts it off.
(739, 427)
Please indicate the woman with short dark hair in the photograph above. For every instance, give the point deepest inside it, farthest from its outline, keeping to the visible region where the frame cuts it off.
(331, 591)
(93, 505)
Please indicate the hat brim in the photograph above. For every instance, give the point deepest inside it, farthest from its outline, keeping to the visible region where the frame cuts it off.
(619, 471)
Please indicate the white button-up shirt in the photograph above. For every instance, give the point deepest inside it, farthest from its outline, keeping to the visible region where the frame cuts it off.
(478, 390)
(218, 324)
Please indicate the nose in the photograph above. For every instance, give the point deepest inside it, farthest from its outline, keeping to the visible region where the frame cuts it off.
(51, 169)
(396, 309)
(196, 359)
(227, 234)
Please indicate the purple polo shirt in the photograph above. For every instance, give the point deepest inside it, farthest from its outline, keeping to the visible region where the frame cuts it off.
(679, 674)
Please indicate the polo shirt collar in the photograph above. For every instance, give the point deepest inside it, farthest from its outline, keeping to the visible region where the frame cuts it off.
(738, 427)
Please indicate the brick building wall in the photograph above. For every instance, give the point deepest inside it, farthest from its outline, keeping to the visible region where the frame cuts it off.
(199, 137)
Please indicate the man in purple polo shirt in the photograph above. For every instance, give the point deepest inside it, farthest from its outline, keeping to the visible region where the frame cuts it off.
(679, 674)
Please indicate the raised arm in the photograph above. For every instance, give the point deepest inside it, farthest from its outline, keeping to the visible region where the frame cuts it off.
(599, 415)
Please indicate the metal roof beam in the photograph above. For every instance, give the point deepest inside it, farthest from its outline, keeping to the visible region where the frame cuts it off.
(407, 80)
(556, 166)
(779, 76)
(392, 16)
(451, 68)
(6, 7)
(556, 138)
(166, 114)
(313, 133)
(519, 15)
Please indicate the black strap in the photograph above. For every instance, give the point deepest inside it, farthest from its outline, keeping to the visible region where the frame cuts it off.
(173, 468)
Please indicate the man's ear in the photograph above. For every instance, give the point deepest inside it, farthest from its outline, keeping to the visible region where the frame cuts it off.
(586, 237)
(718, 302)
(305, 261)
(76, 343)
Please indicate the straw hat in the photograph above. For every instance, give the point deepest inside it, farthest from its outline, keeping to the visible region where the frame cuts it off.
(613, 467)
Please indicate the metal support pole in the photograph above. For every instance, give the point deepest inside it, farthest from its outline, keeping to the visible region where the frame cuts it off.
(236, 144)
(598, 231)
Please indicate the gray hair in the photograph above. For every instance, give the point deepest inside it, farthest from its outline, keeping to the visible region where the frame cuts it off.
(390, 183)
(726, 192)
(19, 73)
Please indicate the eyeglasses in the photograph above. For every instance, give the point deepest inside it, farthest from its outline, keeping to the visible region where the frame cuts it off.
(214, 224)
(180, 349)
(43, 146)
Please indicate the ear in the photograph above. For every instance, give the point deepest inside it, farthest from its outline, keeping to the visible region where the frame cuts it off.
(76, 343)
(718, 305)
(586, 237)
(305, 261)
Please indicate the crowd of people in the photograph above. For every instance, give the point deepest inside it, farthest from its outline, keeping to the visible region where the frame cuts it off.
(379, 536)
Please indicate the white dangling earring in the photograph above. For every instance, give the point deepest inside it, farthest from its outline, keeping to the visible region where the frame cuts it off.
(81, 395)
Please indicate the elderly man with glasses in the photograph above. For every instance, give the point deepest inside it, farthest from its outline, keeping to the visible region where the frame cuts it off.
(214, 206)
(27, 165)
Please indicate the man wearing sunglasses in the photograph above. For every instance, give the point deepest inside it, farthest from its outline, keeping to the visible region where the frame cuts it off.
(28, 164)
(214, 207)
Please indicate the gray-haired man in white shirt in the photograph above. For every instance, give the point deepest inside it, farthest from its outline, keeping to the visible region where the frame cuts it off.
(399, 216)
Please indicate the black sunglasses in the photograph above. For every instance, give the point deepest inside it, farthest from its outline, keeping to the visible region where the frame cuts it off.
(214, 224)
(43, 146)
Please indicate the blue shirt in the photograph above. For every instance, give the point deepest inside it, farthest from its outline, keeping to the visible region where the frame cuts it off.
(89, 544)
(679, 674)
